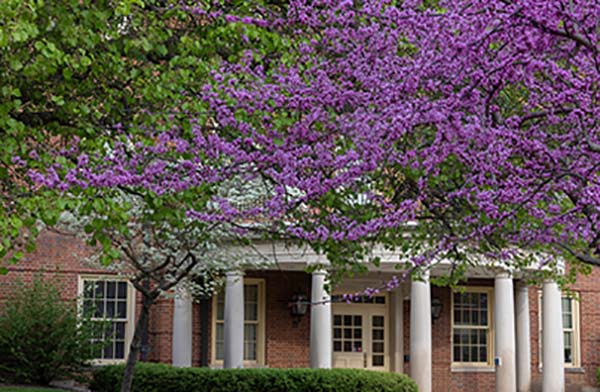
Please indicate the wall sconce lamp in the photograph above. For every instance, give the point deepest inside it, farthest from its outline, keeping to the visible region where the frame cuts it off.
(436, 308)
(298, 307)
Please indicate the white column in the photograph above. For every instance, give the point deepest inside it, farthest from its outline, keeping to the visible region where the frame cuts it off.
(397, 305)
(182, 330)
(420, 333)
(504, 338)
(234, 321)
(320, 323)
(553, 373)
(523, 339)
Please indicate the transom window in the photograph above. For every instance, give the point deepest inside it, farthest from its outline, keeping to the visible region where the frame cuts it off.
(360, 299)
(110, 301)
(253, 323)
(471, 327)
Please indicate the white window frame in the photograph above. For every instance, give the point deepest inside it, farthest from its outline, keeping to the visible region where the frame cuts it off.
(260, 337)
(574, 297)
(490, 328)
(130, 323)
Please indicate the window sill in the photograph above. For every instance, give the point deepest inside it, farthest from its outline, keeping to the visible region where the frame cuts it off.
(473, 369)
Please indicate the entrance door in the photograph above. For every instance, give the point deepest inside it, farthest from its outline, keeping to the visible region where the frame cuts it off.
(360, 336)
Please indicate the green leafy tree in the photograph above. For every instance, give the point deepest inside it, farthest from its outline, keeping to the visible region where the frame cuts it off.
(78, 74)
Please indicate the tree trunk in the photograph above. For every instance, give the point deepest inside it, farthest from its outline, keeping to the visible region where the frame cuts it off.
(144, 354)
(134, 349)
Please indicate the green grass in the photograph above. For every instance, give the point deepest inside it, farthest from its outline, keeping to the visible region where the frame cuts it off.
(30, 389)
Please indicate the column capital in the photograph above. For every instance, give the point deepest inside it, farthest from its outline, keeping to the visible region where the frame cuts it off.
(320, 272)
(234, 274)
(503, 275)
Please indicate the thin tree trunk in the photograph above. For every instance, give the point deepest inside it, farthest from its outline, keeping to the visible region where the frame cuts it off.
(144, 354)
(134, 349)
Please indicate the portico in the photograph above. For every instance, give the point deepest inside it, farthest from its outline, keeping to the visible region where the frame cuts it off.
(485, 328)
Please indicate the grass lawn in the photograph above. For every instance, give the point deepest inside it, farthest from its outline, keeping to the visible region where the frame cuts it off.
(29, 389)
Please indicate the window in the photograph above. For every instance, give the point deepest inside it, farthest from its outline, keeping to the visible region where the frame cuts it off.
(110, 299)
(570, 321)
(254, 327)
(347, 333)
(472, 327)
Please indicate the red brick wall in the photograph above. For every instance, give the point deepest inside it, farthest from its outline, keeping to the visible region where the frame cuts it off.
(287, 346)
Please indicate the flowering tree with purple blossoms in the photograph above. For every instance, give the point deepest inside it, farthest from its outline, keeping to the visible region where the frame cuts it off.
(452, 129)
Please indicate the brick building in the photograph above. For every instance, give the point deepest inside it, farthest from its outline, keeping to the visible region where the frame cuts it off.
(483, 338)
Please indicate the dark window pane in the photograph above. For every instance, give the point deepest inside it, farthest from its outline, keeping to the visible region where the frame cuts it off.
(358, 321)
(111, 289)
(377, 347)
(120, 331)
(99, 289)
(568, 355)
(337, 333)
(110, 309)
(474, 354)
(337, 346)
(358, 333)
(457, 317)
(358, 346)
(347, 320)
(483, 301)
(119, 350)
(483, 354)
(378, 321)
(377, 360)
(99, 308)
(347, 347)
(465, 354)
(122, 290)
(378, 334)
(348, 333)
(473, 337)
(379, 300)
(456, 357)
(121, 309)
(337, 320)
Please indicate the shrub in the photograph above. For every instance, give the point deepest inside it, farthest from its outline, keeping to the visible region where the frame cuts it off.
(41, 337)
(163, 378)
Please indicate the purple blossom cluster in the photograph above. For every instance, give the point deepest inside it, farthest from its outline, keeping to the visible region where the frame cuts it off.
(480, 115)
